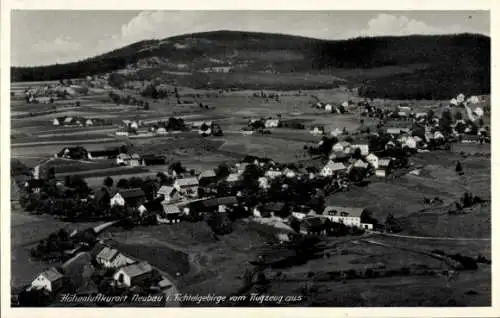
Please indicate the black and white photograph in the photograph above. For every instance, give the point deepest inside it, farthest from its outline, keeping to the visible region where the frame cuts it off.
(244, 158)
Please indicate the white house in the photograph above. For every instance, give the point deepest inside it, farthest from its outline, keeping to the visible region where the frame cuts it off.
(338, 147)
(271, 123)
(188, 186)
(126, 196)
(121, 132)
(347, 215)
(233, 177)
(373, 160)
(122, 159)
(56, 122)
(263, 183)
(89, 122)
(51, 280)
(328, 108)
(112, 258)
(133, 274)
(134, 125)
(360, 164)
(332, 167)
(365, 150)
(273, 174)
(161, 131)
(169, 193)
(318, 130)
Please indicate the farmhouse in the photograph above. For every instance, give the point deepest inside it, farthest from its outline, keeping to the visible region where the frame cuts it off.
(169, 193)
(122, 159)
(313, 225)
(112, 258)
(384, 167)
(104, 154)
(129, 197)
(331, 168)
(51, 280)
(273, 174)
(360, 164)
(172, 213)
(232, 178)
(362, 147)
(470, 139)
(271, 123)
(349, 216)
(137, 274)
(187, 185)
(373, 160)
(318, 130)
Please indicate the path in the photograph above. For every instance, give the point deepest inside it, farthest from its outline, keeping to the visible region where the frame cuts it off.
(434, 237)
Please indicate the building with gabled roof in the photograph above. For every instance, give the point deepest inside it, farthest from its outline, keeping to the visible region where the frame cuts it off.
(127, 197)
(111, 258)
(136, 274)
(50, 279)
(332, 167)
(349, 216)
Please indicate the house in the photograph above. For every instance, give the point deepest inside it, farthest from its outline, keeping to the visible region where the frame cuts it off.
(161, 131)
(349, 216)
(56, 122)
(122, 159)
(130, 197)
(394, 131)
(313, 225)
(122, 132)
(188, 186)
(264, 183)
(68, 120)
(51, 280)
(362, 147)
(318, 130)
(232, 178)
(169, 193)
(172, 213)
(273, 174)
(111, 258)
(89, 122)
(220, 204)
(207, 177)
(331, 168)
(104, 154)
(360, 164)
(272, 123)
(340, 146)
(372, 159)
(137, 274)
(339, 156)
(420, 115)
(384, 167)
(470, 139)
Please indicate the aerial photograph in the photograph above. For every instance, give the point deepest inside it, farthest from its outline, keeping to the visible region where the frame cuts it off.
(250, 158)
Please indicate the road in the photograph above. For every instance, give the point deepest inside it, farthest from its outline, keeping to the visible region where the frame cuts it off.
(433, 237)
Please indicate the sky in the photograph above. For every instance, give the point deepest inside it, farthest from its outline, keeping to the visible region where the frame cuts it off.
(56, 36)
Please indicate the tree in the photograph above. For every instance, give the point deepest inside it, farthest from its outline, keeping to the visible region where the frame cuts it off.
(391, 224)
(458, 168)
(122, 183)
(108, 182)
(445, 122)
(458, 115)
(222, 171)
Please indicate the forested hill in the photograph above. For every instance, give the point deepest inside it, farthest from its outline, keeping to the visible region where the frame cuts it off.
(443, 57)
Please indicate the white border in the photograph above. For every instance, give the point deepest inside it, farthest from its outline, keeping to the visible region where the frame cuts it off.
(366, 5)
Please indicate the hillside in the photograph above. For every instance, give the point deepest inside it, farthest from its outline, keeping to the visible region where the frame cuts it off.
(427, 66)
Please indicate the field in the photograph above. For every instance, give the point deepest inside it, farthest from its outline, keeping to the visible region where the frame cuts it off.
(202, 264)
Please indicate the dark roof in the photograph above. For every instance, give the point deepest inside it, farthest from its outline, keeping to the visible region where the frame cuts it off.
(219, 201)
(102, 153)
(313, 222)
(131, 193)
(274, 206)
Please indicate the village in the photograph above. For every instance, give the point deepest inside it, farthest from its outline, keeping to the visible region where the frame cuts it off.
(293, 197)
